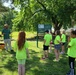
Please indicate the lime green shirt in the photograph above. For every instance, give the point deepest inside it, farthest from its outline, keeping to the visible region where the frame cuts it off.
(72, 50)
(21, 54)
(71, 38)
(63, 37)
(57, 38)
(48, 39)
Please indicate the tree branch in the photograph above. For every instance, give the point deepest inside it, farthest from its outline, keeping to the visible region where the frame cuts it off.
(37, 12)
(41, 4)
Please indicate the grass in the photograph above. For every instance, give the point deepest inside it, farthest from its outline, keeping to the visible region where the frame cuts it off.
(34, 66)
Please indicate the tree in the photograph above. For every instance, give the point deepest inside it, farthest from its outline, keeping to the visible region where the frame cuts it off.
(3, 11)
(56, 12)
(3, 8)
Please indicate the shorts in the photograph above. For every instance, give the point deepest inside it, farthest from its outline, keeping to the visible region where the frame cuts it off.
(63, 44)
(21, 61)
(45, 47)
(57, 47)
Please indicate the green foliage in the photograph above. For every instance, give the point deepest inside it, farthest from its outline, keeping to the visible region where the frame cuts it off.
(3, 8)
(7, 18)
(60, 13)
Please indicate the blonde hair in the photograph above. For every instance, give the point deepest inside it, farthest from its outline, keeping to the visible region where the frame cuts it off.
(6, 26)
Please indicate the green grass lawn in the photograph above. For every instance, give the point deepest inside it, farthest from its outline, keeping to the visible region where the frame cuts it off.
(34, 66)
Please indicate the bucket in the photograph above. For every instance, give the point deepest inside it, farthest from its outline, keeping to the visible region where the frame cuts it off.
(2, 45)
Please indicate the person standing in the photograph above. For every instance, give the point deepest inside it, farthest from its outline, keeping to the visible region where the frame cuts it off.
(63, 42)
(51, 43)
(7, 40)
(57, 45)
(47, 40)
(72, 53)
(21, 49)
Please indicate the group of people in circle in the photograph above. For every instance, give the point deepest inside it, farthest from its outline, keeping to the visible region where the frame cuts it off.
(59, 41)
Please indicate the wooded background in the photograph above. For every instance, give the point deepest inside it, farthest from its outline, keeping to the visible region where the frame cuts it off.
(58, 13)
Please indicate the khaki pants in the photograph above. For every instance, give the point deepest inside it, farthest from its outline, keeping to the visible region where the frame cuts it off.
(7, 44)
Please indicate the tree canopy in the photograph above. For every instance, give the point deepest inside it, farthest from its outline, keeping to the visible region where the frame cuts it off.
(3, 8)
(58, 13)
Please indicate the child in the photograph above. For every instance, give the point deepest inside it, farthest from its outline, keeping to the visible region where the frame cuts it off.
(72, 52)
(51, 42)
(47, 40)
(57, 45)
(63, 40)
(21, 48)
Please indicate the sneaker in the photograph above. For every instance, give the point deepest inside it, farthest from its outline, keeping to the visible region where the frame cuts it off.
(61, 52)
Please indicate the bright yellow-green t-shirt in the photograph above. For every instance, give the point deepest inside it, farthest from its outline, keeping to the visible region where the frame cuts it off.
(63, 37)
(48, 39)
(72, 50)
(21, 54)
(57, 38)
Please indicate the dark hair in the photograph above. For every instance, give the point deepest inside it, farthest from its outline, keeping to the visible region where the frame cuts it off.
(58, 32)
(21, 39)
(73, 32)
(63, 32)
(47, 31)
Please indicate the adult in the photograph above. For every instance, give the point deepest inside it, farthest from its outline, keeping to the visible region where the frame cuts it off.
(7, 40)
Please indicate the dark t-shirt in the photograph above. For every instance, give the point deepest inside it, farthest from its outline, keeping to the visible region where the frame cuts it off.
(6, 33)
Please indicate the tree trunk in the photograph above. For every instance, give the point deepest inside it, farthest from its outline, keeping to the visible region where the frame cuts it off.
(57, 24)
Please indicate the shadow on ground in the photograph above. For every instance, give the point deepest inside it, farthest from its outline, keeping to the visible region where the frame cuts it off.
(36, 66)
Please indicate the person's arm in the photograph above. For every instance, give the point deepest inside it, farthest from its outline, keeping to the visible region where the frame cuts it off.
(2, 32)
(15, 46)
(62, 36)
(58, 41)
(68, 39)
(26, 48)
(51, 40)
(9, 32)
(27, 51)
(44, 42)
(69, 46)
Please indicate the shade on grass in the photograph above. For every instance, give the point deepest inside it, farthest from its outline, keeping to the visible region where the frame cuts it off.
(34, 65)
